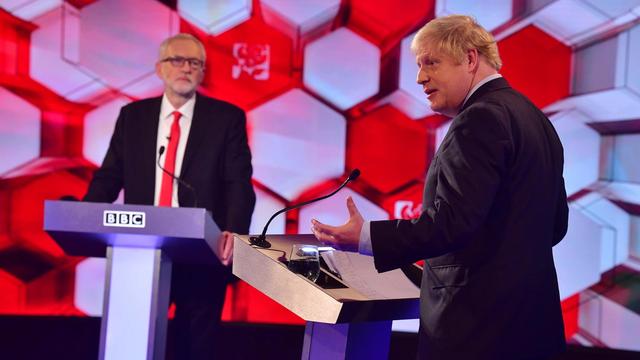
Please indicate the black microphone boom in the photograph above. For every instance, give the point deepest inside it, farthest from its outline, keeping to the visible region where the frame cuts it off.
(261, 240)
(180, 181)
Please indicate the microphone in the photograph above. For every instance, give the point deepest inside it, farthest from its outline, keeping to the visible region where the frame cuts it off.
(261, 240)
(184, 183)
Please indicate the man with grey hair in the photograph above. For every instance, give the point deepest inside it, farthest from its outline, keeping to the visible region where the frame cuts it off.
(494, 206)
(203, 141)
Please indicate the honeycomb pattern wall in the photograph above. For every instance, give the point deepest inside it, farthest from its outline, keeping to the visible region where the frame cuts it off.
(328, 86)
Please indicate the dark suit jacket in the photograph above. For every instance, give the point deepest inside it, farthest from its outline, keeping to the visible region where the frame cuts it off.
(495, 204)
(216, 163)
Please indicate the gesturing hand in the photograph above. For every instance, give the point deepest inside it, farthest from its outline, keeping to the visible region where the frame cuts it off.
(344, 237)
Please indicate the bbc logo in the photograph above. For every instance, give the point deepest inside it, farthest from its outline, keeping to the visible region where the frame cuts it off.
(132, 219)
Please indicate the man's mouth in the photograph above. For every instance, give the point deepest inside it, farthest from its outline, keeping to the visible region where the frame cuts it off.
(429, 91)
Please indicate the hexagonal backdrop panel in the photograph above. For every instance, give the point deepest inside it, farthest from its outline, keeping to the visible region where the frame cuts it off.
(342, 67)
(328, 86)
(19, 130)
(296, 142)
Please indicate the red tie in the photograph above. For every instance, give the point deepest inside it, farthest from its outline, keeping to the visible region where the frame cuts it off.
(166, 189)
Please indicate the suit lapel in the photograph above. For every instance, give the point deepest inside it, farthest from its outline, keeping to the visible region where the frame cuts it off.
(199, 125)
(148, 139)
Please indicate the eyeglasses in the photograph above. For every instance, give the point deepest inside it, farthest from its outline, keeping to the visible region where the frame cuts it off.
(178, 61)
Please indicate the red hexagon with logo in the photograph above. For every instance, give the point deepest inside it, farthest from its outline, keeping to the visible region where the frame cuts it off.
(248, 64)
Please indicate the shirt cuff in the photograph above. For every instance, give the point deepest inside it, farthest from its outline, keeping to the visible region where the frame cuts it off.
(364, 246)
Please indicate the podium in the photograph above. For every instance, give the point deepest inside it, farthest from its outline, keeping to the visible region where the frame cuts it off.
(140, 243)
(342, 322)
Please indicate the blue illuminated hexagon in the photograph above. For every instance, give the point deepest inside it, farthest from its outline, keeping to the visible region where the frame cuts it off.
(98, 128)
(342, 67)
(296, 141)
(215, 17)
(19, 131)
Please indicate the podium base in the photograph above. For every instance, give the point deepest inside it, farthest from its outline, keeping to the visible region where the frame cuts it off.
(366, 340)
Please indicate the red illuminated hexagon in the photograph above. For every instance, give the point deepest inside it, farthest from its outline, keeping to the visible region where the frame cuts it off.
(530, 68)
(389, 148)
(14, 41)
(53, 291)
(248, 64)
(12, 294)
(26, 189)
(385, 22)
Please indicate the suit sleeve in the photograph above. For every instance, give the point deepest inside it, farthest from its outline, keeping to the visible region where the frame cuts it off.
(108, 179)
(239, 193)
(469, 169)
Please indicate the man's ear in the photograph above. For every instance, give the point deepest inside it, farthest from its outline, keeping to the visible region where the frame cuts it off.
(473, 59)
(158, 70)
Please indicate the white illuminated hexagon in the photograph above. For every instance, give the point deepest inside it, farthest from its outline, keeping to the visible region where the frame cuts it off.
(119, 42)
(606, 83)
(89, 287)
(489, 14)
(29, 9)
(215, 17)
(577, 256)
(610, 319)
(409, 98)
(441, 132)
(19, 131)
(98, 128)
(616, 224)
(588, 20)
(296, 141)
(267, 205)
(624, 158)
(614, 8)
(581, 149)
(296, 18)
(54, 62)
(333, 211)
(553, 19)
(342, 67)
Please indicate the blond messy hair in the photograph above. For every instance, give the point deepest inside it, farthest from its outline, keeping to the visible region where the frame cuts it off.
(181, 36)
(455, 35)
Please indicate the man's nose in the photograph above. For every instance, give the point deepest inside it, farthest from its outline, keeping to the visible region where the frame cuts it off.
(422, 78)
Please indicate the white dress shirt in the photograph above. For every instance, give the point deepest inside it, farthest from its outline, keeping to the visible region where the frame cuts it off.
(164, 130)
(364, 245)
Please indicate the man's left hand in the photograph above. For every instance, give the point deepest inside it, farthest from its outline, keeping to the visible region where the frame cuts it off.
(225, 248)
(345, 237)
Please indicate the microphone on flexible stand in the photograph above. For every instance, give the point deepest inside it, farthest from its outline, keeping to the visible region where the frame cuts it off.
(261, 240)
(182, 182)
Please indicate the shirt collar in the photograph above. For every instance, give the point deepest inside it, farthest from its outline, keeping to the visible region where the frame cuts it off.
(186, 110)
(480, 83)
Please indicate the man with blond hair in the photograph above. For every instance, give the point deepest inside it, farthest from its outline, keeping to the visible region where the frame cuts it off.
(202, 141)
(494, 206)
